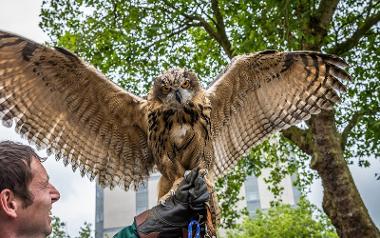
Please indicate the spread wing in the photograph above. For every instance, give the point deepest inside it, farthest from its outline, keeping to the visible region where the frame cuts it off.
(259, 94)
(60, 103)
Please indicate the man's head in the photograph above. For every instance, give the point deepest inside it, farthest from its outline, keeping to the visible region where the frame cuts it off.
(26, 196)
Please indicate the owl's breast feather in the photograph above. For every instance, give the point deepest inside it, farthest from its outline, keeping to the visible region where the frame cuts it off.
(179, 133)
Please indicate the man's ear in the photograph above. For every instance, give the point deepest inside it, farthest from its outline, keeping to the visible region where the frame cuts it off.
(9, 203)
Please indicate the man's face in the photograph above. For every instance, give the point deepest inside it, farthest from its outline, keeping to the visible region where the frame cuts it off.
(35, 219)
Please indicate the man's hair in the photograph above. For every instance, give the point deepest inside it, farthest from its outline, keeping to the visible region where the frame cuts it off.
(15, 170)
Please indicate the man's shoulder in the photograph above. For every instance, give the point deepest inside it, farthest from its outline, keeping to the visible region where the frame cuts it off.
(127, 232)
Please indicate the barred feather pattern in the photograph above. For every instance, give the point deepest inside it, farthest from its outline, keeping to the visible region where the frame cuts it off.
(262, 93)
(63, 105)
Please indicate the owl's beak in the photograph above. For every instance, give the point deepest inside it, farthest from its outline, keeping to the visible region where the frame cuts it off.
(178, 96)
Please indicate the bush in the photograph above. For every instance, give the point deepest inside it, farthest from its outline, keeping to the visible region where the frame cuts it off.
(304, 220)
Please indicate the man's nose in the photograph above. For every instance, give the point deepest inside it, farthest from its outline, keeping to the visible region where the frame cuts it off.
(54, 193)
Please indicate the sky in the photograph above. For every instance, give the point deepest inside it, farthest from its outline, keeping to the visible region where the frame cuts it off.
(77, 203)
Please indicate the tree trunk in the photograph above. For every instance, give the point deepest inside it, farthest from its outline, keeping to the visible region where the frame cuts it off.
(341, 199)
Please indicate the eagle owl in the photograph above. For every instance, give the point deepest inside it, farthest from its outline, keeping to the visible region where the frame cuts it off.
(60, 103)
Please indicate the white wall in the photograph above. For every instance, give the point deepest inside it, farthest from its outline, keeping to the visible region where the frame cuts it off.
(120, 206)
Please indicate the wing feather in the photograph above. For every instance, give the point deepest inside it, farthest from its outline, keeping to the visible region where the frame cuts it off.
(60, 103)
(261, 93)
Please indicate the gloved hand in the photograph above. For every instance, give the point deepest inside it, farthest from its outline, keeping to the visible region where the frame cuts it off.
(171, 219)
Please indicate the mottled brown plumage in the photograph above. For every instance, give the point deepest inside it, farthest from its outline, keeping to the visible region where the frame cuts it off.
(179, 127)
(60, 103)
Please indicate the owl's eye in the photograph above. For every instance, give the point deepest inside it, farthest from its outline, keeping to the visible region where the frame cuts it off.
(165, 89)
(186, 84)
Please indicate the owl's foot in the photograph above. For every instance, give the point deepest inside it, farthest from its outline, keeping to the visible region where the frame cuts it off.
(171, 191)
(209, 183)
(203, 172)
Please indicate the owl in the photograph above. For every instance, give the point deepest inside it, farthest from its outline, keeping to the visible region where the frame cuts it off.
(61, 103)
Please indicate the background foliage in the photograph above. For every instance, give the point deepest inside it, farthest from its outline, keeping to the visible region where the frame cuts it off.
(59, 230)
(305, 220)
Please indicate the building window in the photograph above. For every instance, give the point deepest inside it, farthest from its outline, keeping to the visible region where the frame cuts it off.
(252, 195)
(142, 198)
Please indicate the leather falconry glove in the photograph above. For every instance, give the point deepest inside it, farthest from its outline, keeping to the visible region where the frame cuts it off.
(172, 218)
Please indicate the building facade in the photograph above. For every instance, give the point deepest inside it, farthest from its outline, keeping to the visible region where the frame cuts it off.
(116, 209)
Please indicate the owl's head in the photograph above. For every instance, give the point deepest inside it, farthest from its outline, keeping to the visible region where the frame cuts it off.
(175, 86)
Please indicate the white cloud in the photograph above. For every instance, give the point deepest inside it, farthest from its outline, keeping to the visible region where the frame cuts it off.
(22, 17)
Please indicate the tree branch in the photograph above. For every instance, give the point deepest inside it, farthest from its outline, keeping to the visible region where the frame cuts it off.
(318, 23)
(225, 43)
(325, 12)
(358, 34)
(176, 32)
(219, 34)
(202, 22)
(298, 137)
(220, 37)
(197, 20)
(362, 15)
(356, 117)
(354, 121)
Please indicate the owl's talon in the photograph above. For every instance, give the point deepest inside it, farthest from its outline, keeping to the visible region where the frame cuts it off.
(162, 200)
(171, 192)
(203, 172)
(187, 172)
